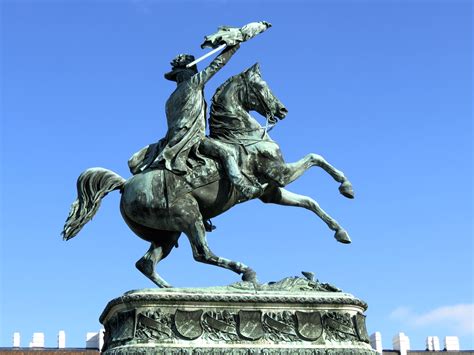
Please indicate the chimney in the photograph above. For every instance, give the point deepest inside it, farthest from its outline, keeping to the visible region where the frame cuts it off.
(451, 343)
(401, 343)
(16, 340)
(429, 343)
(432, 343)
(376, 342)
(61, 339)
(38, 340)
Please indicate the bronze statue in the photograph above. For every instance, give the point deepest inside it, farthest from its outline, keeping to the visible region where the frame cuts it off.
(187, 178)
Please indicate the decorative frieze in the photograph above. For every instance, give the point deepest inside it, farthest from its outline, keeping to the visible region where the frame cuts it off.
(157, 325)
(230, 321)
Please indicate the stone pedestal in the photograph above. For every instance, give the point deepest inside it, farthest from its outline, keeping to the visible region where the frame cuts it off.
(293, 316)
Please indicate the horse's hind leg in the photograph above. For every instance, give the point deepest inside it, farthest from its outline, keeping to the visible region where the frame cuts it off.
(158, 251)
(284, 174)
(202, 253)
(191, 223)
(284, 197)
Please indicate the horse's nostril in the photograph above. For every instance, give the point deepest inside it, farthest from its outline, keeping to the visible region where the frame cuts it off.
(283, 111)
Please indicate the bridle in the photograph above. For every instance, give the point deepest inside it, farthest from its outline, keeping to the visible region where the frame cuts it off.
(271, 121)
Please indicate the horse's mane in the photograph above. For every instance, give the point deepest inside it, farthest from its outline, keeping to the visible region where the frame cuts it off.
(217, 95)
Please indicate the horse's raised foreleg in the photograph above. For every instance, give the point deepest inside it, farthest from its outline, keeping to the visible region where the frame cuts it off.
(284, 174)
(284, 197)
(157, 252)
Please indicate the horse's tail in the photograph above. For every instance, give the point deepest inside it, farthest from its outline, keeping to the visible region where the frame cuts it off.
(92, 185)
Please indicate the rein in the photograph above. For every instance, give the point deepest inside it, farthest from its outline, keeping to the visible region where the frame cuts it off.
(242, 141)
(271, 121)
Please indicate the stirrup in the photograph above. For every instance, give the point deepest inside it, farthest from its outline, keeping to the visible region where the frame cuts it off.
(208, 226)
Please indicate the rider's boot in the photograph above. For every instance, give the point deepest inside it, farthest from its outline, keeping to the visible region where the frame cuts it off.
(228, 159)
(249, 191)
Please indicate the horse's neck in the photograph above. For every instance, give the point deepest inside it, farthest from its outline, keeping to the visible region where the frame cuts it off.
(229, 113)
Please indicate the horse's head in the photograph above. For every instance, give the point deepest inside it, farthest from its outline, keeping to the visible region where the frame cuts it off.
(259, 97)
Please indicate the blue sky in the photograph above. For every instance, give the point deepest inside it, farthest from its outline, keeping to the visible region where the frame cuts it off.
(382, 89)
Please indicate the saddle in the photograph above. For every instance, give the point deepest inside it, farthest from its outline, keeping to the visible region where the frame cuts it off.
(202, 172)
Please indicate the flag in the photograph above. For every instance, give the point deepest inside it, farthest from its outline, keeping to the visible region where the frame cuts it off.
(230, 36)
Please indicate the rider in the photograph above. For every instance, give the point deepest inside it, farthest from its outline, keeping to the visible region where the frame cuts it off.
(186, 116)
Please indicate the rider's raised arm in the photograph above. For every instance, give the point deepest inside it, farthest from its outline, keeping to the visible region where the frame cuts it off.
(203, 76)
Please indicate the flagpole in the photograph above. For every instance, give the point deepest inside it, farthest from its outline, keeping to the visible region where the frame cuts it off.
(222, 46)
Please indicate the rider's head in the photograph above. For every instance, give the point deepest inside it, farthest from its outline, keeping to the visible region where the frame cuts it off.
(179, 72)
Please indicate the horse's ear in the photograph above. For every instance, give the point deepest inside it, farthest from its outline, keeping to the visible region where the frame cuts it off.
(254, 69)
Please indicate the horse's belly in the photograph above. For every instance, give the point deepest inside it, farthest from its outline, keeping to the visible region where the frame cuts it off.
(144, 200)
(216, 198)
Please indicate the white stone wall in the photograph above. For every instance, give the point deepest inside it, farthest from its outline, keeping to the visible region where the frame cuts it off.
(376, 342)
(94, 340)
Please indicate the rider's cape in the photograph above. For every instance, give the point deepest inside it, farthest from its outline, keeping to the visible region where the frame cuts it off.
(148, 157)
(139, 161)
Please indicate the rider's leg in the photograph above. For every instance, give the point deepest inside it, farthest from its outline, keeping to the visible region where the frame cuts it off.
(228, 159)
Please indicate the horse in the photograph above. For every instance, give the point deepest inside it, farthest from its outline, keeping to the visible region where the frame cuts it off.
(261, 161)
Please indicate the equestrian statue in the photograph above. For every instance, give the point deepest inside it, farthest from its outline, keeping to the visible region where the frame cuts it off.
(188, 177)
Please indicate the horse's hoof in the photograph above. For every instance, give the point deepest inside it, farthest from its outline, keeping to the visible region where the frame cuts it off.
(346, 189)
(164, 285)
(250, 276)
(158, 281)
(342, 236)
